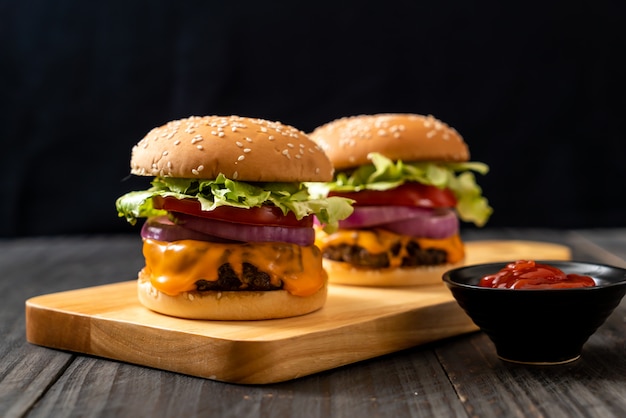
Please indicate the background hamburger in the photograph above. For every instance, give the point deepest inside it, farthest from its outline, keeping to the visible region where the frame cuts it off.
(410, 179)
(229, 230)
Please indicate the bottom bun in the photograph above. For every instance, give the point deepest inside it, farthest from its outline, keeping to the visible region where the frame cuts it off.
(344, 273)
(229, 305)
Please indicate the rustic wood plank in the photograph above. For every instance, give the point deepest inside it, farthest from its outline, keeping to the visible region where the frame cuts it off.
(33, 266)
(601, 245)
(409, 383)
(26, 374)
(592, 386)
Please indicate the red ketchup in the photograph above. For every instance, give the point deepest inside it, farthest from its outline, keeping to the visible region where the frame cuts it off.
(525, 274)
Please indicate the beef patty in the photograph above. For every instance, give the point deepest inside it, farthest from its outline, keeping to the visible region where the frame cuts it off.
(358, 256)
(228, 280)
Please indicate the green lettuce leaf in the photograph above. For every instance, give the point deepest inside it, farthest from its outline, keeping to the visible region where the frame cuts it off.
(289, 197)
(385, 174)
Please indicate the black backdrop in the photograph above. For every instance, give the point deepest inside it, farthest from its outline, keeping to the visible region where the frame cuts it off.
(537, 91)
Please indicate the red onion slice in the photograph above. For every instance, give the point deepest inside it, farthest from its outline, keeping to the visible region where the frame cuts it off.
(368, 216)
(245, 232)
(440, 223)
(161, 228)
(405, 220)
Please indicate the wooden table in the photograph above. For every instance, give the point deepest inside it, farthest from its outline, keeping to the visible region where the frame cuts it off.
(459, 376)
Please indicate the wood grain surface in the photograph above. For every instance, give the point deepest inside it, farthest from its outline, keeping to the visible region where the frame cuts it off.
(454, 377)
(356, 323)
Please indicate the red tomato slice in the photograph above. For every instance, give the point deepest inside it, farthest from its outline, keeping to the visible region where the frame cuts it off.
(264, 215)
(407, 194)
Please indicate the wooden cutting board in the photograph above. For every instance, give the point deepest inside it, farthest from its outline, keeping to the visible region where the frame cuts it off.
(356, 324)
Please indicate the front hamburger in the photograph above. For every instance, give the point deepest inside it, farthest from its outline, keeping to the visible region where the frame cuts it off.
(410, 180)
(229, 222)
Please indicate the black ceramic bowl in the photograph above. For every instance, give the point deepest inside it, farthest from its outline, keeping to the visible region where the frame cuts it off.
(538, 326)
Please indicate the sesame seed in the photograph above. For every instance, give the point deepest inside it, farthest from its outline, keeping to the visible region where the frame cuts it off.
(200, 147)
(239, 144)
(177, 142)
(286, 153)
(221, 134)
(196, 139)
(200, 167)
(241, 158)
(194, 171)
(248, 139)
(165, 153)
(290, 145)
(235, 175)
(271, 137)
(246, 150)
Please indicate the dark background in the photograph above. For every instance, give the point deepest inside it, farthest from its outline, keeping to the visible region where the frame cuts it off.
(536, 89)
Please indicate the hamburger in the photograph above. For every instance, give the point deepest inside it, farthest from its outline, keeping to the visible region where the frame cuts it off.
(228, 230)
(411, 180)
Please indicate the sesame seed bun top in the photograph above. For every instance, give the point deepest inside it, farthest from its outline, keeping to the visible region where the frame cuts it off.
(407, 137)
(241, 148)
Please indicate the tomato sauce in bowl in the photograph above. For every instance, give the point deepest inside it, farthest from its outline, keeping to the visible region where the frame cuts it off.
(547, 323)
(527, 274)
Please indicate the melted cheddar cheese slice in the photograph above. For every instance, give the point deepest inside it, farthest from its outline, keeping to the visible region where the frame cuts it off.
(174, 267)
